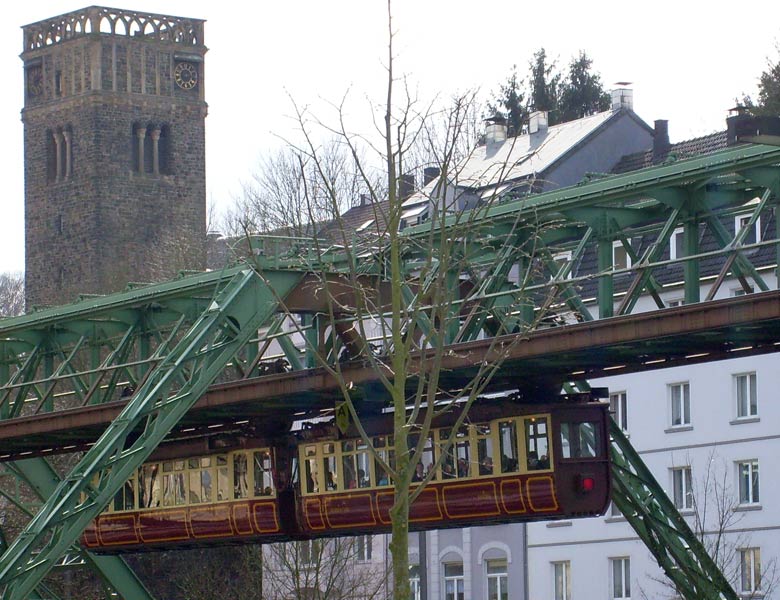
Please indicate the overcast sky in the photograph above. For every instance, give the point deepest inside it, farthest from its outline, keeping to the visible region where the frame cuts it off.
(688, 61)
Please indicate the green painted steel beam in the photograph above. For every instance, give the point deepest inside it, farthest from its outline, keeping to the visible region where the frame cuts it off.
(235, 314)
(107, 306)
(653, 516)
(43, 480)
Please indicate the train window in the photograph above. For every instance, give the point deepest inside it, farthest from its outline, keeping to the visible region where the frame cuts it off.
(355, 464)
(200, 487)
(329, 467)
(240, 478)
(263, 474)
(507, 441)
(463, 452)
(363, 470)
(173, 483)
(223, 479)
(580, 440)
(427, 459)
(536, 443)
(448, 462)
(484, 448)
(149, 486)
(348, 465)
(311, 477)
(382, 477)
(310, 470)
(124, 499)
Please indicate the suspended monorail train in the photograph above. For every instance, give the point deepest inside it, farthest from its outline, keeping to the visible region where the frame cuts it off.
(511, 462)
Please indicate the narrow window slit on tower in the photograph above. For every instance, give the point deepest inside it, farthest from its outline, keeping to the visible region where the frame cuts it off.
(60, 165)
(150, 149)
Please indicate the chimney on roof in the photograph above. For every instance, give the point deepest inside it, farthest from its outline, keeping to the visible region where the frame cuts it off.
(537, 121)
(622, 97)
(429, 174)
(365, 200)
(495, 130)
(406, 186)
(661, 143)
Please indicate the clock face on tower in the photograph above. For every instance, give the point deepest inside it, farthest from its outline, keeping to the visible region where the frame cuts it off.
(185, 75)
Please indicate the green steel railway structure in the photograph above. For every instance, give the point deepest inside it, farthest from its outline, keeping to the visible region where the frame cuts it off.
(114, 376)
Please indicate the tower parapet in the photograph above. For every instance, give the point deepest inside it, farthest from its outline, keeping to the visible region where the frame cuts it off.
(113, 21)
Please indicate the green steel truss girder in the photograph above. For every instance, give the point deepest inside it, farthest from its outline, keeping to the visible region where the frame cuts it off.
(98, 350)
(42, 479)
(92, 351)
(647, 508)
(231, 319)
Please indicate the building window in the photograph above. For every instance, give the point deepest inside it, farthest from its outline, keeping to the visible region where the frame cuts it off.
(364, 547)
(621, 577)
(754, 235)
(453, 582)
(562, 580)
(745, 394)
(561, 260)
(671, 303)
(680, 401)
(682, 488)
(414, 582)
(677, 244)
(750, 570)
(497, 580)
(59, 152)
(620, 257)
(309, 552)
(151, 149)
(618, 406)
(747, 472)
(740, 291)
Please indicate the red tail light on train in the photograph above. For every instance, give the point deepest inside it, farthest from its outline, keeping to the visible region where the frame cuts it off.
(587, 483)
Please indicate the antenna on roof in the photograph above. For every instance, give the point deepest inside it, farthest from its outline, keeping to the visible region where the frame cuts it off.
(623, 83)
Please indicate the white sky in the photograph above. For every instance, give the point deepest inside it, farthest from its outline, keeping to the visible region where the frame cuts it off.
(688, 61)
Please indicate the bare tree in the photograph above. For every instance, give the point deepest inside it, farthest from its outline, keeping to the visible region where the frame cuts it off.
(289, 194)
(716, 521)
(333, 569)
(399, 320)
(11, 294)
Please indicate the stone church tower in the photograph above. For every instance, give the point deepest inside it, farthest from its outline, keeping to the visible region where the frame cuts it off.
(114, 151)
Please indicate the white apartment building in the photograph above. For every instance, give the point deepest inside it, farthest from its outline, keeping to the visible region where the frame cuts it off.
(709, 434)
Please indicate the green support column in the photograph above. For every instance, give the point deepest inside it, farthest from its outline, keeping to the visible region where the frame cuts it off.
(144, 352)
(776, 210)
(651, 513)
(606, 288)
(5, 375)
(691, 267)
(451, 312)
(526, 307)
(48, 369)
(43, 480)
(310, 323)
(230, 321)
